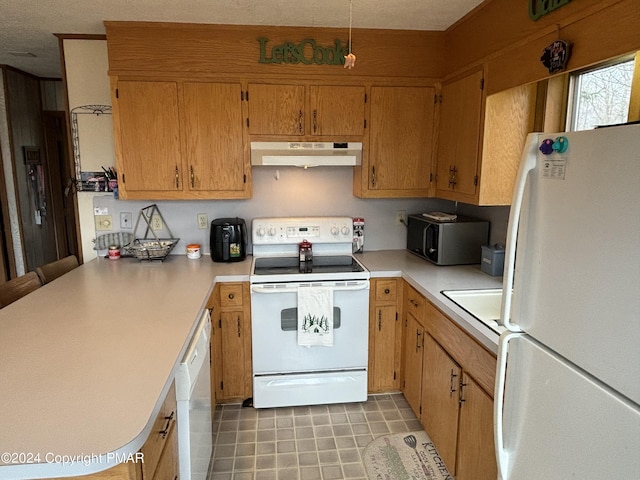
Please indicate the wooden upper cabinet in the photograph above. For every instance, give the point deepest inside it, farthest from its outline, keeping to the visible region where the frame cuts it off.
(147, 136)
(276, 109)
(459, 137)
(481, 139)
(400, 143)
(213, 136)
(302, 110)
(180, 140)
(337, 110)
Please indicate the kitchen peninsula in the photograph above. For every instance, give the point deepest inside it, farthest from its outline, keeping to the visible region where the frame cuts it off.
(85, 373)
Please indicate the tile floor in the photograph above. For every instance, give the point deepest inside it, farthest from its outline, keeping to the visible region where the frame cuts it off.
(320, 442)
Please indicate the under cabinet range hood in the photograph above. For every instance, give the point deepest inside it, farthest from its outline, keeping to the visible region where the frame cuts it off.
(306, 154)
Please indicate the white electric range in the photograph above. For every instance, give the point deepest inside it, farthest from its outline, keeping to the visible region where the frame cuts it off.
(285, 371)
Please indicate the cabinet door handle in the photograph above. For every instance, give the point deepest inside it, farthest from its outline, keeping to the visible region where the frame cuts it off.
(452, 176)
(379, 320)
(177, 178)
(461, 398)
(238, 322)
(230, 296)
(373, 176)
(300, 115)
(452, 388)
(165, 431)
(418, 334)
(315, 121)
(193, 178)
(386, 291)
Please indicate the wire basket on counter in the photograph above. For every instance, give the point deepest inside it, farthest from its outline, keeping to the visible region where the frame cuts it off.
(151, 248)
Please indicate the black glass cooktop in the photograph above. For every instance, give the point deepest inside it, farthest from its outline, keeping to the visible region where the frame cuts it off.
(320, 264)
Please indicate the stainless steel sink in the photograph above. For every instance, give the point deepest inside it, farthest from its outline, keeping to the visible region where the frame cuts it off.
(483, 304)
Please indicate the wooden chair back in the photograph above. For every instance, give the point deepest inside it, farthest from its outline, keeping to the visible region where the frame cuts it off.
(18, 287)
(53, 270)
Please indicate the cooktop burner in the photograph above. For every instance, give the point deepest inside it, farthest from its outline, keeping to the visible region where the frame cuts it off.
(320, 264)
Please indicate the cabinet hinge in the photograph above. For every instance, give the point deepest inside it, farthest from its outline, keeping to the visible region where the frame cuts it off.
(475, 180)
(482, 84)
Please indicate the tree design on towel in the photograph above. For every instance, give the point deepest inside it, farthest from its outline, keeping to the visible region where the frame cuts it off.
(314, 324)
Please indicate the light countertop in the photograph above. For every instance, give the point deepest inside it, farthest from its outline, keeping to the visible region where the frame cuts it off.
(87, 360)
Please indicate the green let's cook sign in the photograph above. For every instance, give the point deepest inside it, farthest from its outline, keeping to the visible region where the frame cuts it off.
(306, 52)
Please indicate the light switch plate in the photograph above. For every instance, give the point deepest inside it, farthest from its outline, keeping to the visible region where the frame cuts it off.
(125, 220)
(103, 222)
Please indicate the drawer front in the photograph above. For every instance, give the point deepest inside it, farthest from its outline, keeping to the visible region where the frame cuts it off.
(386, 291)
(231, 295)
(415, 303)
(165, 422)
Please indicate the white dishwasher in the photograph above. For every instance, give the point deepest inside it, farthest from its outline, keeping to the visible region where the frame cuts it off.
(193, 395)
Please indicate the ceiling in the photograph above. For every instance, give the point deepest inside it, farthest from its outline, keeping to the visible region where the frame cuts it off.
(27, 27)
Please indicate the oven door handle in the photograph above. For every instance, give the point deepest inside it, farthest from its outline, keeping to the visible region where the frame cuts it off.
(293, 289)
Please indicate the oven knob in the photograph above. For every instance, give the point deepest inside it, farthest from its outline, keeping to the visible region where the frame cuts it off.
(334, 230)
(272, 232)
(260, 232)
(345, 230)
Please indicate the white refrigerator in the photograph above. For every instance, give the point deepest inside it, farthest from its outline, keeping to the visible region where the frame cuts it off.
(567, 398)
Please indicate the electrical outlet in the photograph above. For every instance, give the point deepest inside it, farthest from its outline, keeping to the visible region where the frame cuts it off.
(125, 220)
(203, 221)
(156, 222)
(103, 222)
(401, 217)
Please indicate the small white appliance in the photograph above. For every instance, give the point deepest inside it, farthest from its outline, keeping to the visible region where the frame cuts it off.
(567, 397)
(193, 395)
(285, 372)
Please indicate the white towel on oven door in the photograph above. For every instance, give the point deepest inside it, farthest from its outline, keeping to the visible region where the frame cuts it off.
(315, 316)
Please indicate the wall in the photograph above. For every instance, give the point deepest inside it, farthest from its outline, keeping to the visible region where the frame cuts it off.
(500, 35)
(299, 192)
(85, 63)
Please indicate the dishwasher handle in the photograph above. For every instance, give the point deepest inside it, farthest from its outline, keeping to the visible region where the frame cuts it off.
(338, 287)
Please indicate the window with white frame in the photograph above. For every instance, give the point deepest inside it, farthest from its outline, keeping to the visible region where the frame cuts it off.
(601, 95)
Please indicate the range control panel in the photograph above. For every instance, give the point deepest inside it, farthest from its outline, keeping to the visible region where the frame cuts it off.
(290, 230)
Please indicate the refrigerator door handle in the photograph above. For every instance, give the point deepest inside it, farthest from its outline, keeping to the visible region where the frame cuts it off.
(527, 164)
(502, 456)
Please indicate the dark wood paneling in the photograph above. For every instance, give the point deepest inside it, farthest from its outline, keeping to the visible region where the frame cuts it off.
(25, 129)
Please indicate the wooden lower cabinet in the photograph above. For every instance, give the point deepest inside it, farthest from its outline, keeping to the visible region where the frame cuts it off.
(230, 307)
(476, 452)
(385, 335)
(448, 381)
(440, 399)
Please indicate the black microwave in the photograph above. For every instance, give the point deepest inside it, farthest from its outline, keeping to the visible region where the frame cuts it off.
(456, 242)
